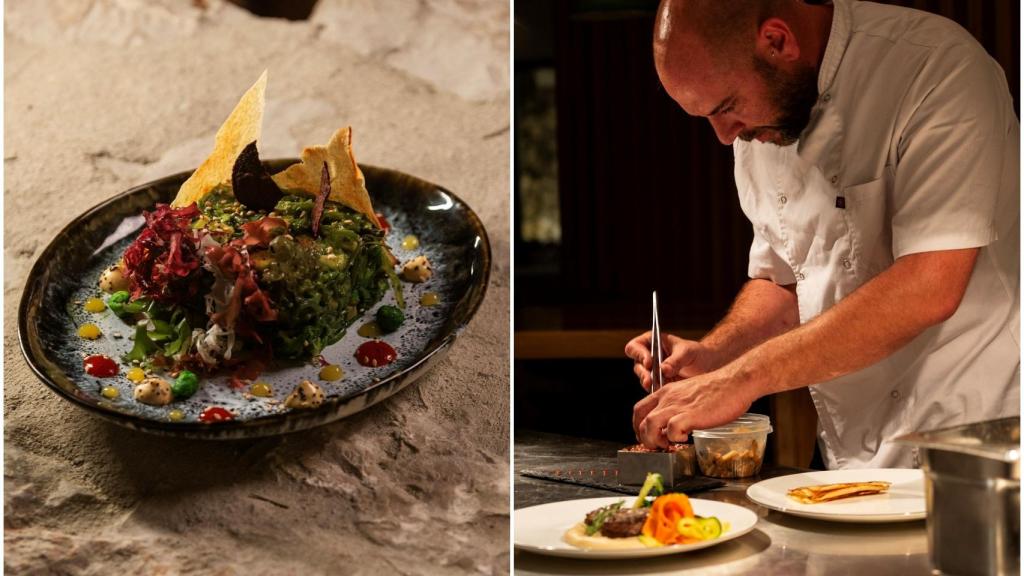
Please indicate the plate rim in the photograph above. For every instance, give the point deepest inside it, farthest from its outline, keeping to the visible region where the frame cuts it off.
(853, 518)
(333, 409)
(624, 554)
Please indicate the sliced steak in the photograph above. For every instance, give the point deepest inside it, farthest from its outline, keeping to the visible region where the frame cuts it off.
(625, 523)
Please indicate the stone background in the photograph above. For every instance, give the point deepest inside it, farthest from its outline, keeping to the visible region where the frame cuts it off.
(102, 95)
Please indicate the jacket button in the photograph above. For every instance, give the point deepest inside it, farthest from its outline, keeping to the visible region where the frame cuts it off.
(799, 277)
(835, 178)
(895, 394)
(847, 264)
(783, 200)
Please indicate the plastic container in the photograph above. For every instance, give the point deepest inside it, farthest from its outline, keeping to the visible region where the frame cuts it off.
(735, 450)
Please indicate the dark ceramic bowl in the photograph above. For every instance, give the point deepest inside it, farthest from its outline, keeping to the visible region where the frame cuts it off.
(450, 235)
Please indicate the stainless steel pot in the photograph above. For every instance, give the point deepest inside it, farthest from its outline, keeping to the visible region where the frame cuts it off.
(972, 484)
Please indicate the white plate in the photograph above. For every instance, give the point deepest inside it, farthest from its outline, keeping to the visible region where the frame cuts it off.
(902, 503)
(540, 528)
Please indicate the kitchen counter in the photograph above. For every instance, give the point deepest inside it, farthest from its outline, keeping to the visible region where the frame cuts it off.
(779, 545)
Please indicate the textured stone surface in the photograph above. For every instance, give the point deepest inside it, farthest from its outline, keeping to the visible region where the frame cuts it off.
(102, 95)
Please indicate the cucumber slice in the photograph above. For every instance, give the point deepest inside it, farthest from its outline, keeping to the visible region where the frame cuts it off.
(710, 528)
(690, 528)
(653, 486)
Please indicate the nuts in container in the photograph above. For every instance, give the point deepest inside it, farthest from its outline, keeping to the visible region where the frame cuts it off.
(729, 461)
(735, 450)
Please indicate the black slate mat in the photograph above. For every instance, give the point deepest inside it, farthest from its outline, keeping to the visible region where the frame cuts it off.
(608, 480)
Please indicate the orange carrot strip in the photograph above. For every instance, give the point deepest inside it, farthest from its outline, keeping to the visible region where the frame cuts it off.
(666, 511)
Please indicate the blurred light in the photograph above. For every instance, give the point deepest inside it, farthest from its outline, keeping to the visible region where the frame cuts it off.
(445, 205)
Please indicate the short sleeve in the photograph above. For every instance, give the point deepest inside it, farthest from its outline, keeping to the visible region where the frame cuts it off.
(950, 154)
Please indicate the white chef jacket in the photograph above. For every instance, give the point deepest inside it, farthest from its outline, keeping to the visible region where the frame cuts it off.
(913, 146)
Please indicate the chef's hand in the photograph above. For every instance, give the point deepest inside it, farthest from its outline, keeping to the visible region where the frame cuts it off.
(680, 358)
(697, 403)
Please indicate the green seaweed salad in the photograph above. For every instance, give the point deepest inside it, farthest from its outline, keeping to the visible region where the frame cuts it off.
(319, 286)
(216, 280)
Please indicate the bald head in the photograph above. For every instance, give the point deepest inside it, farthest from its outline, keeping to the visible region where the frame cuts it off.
(721, 32)
(749, 66)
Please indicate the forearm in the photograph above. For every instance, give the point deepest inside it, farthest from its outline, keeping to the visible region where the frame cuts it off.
(761, 310)
(915, 293)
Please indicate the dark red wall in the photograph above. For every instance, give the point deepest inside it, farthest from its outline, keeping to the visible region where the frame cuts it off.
(647, 194)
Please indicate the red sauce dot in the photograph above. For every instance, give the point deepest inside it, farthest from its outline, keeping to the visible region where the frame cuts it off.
(375, 353)
(215, 414)
(100, 366)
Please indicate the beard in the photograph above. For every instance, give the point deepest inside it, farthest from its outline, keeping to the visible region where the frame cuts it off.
(792, 95)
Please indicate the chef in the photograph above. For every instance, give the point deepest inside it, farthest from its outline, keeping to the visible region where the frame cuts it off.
(877, 158)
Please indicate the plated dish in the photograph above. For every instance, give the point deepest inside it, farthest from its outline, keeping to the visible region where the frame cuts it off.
(542, 529)
(650, 520)
(902, 501)
(252, 298)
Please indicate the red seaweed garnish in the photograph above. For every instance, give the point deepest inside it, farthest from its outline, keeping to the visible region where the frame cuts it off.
(161, 261)
(261, 232)
(246, 297)
(248, 303)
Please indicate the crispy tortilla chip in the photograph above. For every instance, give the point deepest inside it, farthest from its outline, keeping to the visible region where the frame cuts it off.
(348, 186)
(830, 492)
(241, 128)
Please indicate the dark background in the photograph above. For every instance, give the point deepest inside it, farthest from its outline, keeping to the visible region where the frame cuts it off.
(646, 196)
(287, 9)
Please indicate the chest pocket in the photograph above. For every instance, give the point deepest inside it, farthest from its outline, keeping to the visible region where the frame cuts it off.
(870, 229)
(815, 224)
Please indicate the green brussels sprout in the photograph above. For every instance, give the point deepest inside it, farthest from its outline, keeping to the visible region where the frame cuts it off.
(185, 385)
(389, 318)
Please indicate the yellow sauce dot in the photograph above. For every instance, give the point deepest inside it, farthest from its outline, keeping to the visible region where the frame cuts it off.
(175, 415)
(95, 305)
(136, 374)
(331, 373)
(429, 299)
(261, 389)
(369, 330)
(410, 242)
(110, 392)
(89, 331)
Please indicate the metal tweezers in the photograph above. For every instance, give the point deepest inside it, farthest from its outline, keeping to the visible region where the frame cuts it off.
(656, 379)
